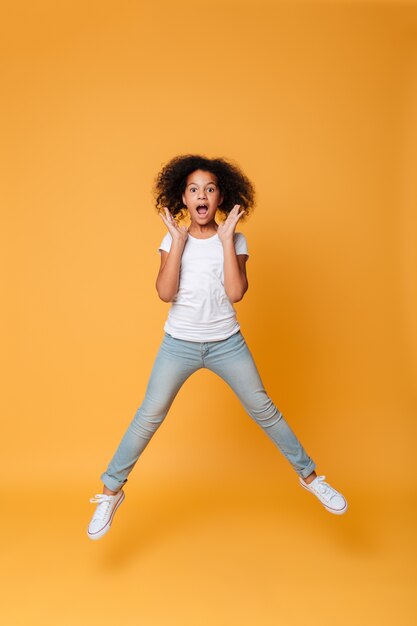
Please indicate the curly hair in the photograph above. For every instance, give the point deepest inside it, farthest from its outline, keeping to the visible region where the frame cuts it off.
(170, 182)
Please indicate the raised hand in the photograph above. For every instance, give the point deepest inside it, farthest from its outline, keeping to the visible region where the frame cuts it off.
(226, 229)
(179, 233)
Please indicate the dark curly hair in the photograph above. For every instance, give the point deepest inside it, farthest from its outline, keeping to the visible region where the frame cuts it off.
(170, 183)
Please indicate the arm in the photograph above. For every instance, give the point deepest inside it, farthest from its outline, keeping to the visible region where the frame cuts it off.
(235, 279)
(168, 278)
(167, 282)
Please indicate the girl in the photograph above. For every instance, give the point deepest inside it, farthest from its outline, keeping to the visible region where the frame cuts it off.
(202, 273)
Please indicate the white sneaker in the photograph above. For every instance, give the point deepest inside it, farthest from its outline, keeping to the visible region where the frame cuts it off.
(104, 513)
(331, 499)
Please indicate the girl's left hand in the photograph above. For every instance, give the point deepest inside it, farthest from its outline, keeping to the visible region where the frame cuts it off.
(226, 229)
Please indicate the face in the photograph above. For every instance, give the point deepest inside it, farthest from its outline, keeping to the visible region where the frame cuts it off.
(202, 190)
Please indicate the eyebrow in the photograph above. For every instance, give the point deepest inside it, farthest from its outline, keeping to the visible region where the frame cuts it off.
(210, 183)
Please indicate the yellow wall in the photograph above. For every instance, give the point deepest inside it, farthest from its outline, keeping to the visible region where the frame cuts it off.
(317, 102)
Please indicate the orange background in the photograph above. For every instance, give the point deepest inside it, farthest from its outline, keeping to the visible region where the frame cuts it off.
(317, 102)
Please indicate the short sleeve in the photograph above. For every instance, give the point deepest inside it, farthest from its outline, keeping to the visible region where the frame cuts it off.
(166, 243)
(241, 246)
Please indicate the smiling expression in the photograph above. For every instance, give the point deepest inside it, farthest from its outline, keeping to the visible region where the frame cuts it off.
(202, 191)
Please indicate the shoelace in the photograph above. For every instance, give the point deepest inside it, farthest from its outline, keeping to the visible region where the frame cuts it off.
(104, 501)
(324, 488)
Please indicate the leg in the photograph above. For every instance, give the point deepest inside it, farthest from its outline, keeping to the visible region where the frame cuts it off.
(174, 363)
(232, 360)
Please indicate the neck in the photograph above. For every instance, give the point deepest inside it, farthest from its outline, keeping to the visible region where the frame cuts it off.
(202, 230)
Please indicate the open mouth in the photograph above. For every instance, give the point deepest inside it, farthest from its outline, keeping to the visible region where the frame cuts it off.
(202, 209)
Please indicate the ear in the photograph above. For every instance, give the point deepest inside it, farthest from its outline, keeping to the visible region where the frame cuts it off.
(220, 200)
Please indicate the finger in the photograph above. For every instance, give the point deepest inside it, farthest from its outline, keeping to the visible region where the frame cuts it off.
(235, 210)
(171, 218)
(231, 215)
(234, 218)
(169, 223)
(165, 218)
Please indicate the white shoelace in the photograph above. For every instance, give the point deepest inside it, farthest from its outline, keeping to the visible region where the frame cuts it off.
(324, 488)
(104, 503)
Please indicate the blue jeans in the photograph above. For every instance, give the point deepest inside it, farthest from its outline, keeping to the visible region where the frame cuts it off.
(175, 362)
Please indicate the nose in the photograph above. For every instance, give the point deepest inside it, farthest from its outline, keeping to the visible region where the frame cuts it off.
(202, 195)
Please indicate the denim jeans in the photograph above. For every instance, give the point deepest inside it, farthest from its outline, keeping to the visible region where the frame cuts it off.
(175, 362)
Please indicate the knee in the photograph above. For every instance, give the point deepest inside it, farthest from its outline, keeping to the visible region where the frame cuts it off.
(265, 412)
(146, 420)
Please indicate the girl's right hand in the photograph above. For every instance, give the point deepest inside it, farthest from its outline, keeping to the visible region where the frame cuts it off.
(179, 233)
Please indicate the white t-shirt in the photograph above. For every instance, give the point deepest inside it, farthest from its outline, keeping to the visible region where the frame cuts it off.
(201, 310)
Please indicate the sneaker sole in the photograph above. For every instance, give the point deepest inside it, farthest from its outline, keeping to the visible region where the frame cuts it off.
(106, 528)
(334, 511)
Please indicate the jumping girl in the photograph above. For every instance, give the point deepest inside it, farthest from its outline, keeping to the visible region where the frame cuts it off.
(202, 273)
